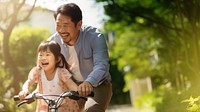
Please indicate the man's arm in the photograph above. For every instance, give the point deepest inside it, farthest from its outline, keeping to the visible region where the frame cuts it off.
(100, 61)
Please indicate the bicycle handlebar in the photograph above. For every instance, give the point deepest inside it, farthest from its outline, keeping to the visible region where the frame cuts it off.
(31, 97)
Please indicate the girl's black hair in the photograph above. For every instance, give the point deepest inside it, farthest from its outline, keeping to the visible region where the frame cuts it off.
(54, 47)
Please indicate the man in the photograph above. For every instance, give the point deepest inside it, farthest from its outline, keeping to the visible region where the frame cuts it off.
(85, 49)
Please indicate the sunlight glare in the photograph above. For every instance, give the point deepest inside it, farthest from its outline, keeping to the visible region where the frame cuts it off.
(93, 14)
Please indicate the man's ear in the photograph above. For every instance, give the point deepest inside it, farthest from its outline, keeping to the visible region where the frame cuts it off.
(79, 24)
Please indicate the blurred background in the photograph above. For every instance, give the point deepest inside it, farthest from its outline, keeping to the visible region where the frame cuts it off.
(154, 48)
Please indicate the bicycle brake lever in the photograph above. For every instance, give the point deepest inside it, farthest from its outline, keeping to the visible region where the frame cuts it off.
(28, 99)
(21, 103)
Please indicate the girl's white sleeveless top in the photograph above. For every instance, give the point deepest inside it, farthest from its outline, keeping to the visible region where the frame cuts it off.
(51, 87)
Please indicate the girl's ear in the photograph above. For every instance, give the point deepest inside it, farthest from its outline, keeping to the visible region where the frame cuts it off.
(59, 59)
(59, 62)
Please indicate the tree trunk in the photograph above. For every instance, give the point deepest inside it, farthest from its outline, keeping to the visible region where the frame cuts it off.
(10, 64)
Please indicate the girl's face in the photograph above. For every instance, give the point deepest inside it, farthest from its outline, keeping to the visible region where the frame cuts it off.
(47, 61)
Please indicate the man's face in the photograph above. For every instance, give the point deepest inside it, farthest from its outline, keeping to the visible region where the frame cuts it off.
(67, 29)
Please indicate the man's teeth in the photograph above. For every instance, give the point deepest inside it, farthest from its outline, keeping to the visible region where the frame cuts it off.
(65, 34)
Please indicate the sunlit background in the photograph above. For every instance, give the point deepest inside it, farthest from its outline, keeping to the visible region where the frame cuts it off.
(154, 49)
(93, 14)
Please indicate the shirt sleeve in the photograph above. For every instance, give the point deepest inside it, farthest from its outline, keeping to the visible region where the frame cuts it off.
(64, 74)
(34, 74)
(100, 61)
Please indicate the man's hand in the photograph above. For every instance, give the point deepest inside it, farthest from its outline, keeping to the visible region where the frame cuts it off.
(85, 89)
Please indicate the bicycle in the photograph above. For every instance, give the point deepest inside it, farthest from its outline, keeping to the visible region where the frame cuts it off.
(53, 104)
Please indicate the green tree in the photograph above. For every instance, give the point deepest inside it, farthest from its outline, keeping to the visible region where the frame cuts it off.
(160, 39)
(24, 42)
(174, 23)
(11, 14)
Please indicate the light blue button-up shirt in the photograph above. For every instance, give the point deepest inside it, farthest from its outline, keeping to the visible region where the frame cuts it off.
(92, 53)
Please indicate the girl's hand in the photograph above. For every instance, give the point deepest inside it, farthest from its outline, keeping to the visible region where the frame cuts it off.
(23, 94)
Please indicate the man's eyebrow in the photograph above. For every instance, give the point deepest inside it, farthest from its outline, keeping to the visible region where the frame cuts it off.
(62, 23)
(66, 23)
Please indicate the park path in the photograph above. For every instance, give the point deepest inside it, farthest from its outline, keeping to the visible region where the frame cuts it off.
(123, 108)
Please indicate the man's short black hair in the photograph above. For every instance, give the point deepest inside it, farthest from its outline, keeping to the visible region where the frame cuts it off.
(72, 10)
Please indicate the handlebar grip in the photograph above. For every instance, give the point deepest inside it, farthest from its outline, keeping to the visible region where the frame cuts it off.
(16, 98)
(91, 94)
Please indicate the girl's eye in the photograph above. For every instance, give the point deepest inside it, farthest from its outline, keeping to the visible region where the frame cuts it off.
(48, 54)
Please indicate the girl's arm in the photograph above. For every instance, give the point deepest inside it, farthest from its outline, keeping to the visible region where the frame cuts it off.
(66, 77)
(32, 78)
(71, 85)
(25, 88)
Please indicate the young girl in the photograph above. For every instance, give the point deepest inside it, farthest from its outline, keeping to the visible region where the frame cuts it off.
(52, 77)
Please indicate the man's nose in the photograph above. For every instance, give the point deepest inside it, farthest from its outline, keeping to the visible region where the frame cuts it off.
(61, 30)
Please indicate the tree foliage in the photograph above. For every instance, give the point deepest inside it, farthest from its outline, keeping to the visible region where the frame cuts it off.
(160, 39)
(12, 12)
(24, 41)
(173, 24)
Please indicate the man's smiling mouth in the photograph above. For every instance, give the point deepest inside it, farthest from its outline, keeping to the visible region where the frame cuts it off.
(64, 34)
